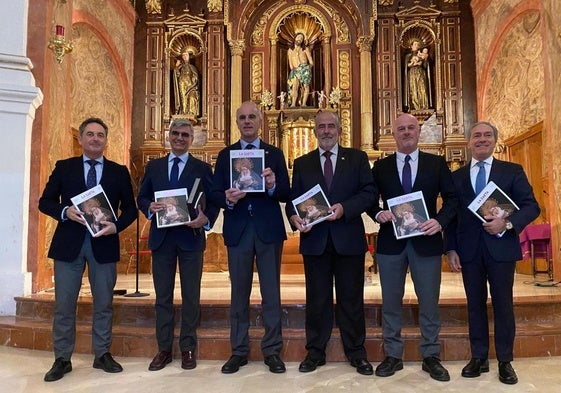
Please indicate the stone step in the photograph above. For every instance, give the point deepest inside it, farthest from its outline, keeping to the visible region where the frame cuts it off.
(531, 340)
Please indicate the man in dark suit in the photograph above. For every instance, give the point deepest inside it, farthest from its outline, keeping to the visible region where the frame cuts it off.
(73, 247)
(487, 252)
(410, 170)
(335, 248)
(253, 230)
(181, 245)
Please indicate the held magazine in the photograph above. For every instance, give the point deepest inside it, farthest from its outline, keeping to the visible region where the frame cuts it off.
(492, 202)
(410, 211)
(312, 206)
(96, 208)
(176, 211)
(246, 167)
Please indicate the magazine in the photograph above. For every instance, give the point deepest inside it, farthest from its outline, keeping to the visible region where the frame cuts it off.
(175, 212)
(96, 208)
(312, 206)
(246, 167)
(196, 198)
(492, 201)
(410, 211)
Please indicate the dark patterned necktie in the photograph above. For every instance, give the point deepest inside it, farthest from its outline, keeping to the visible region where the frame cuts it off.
(174, 175)
(91, 179)
(328, 168)
(481, 179)
(406, 175)
(250, 146)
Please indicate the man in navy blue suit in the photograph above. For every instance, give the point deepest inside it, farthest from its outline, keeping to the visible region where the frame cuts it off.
(486, 253)
(73, 247)
(410, 170)
(335, 248)
(253, 231)
(182, 245)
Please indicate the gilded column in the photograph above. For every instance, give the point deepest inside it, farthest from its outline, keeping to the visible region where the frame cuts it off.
(236, 48)
(273, 69)
(366, 119)
(327, 63)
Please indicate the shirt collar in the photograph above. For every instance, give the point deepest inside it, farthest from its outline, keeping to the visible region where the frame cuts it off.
(86, 158)
(414, 155)
(488, 161)
(183, 157)
(334, 150)
(256, 143)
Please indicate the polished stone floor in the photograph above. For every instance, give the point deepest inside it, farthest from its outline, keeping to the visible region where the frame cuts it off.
(22, 370)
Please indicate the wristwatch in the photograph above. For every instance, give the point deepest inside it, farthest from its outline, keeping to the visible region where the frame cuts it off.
(508, 225)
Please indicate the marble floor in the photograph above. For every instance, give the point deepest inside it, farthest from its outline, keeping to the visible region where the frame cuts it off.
(22, 371)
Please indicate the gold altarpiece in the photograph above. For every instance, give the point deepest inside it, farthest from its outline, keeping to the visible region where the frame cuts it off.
(358, 50)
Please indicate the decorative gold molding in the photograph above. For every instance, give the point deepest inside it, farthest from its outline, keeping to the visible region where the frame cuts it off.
(237, 47)
(214, 5)
(153, 6)
(364, 43)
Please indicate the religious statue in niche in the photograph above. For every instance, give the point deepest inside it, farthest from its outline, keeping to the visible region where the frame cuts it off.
(300, 63)
(417, 79)
(186, 86)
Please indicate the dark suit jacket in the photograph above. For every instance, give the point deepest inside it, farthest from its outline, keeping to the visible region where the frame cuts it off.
(352, 186)
(67, 181)
(433, 179)
(267, 215)
(465, 233)
(156, 178)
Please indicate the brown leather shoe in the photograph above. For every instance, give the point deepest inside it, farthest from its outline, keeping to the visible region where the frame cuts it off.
(160, 360)
(188, 360)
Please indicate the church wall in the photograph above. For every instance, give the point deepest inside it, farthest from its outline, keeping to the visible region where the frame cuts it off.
(95, 79)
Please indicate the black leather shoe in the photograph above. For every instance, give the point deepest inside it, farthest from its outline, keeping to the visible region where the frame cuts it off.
(188, 360)
(107, 363)
(362, 366)
(160, 360)
(389, 366)
(233, 364)
(276, 365)
(475, 367)
(507, 374)
(432, 366)
(60, 367)
(310, 364)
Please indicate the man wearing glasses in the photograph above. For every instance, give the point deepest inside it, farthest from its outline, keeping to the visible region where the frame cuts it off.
(181, 245)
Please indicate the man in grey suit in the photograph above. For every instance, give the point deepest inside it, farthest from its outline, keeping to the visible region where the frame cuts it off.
(334, 249)
(182, 245)
(254, 233)
(486, 253)
(410, 170)
(73, 247)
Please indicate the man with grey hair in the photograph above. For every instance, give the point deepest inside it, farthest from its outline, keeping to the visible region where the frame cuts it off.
(181, 245)
(486, 253)
(72, 246)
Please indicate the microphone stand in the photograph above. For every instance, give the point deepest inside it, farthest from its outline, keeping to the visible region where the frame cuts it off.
(137, 293)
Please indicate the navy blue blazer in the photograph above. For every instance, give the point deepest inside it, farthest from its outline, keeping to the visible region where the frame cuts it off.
(352, 187)
(156, 178)
(466, 234)
(267, 215)
(433, 179)
(66, 181)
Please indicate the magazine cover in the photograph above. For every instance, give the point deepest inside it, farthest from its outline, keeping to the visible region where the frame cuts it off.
(410, 211)
(492, 201)
(175, 212)
(96, 208)
(246, 167)
(312, 206)
(196, 198)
